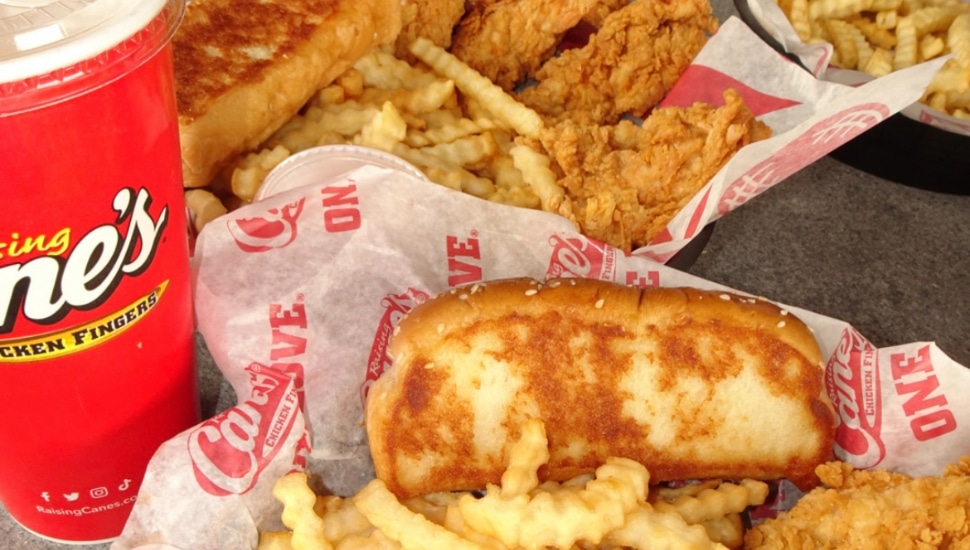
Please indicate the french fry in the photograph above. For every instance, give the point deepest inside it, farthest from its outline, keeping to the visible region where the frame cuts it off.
(646, 529)
(562, 518)
(952, 77)
(842, 39)
(540, 177)
(249, 175)
(382, 70)
(800, 20)
(461, 128)
(727, 530)
(413, 531)
(832, 9)
(298, 500)
(958, 39)
(883, 36)
(351, 83)
(607, 509)
(888, 21)
(884, 5)
(529, 453)
(504, 107)
(341, 519)
(880, 64)
(907, 47)
(204, 207)
(423, 99)
(936, 18)
(384, 131)
(713, 503)
(877, 35)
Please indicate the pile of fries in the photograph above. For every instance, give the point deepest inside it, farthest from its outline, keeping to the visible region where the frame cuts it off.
(441, 116)
(881, 36)
(613, 508)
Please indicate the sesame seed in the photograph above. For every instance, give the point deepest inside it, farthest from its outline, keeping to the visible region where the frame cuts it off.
(429, 365)
(599, 303)
(572, 282)
(462, 296)
(441, 328)
(476, 287)
(531, 292)
(725, 297)
(784, 312)
(781, 324)
(555, 283)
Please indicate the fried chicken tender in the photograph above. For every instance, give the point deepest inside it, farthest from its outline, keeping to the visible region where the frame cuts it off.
(432, 19)
(861, 509)
(624, 183)
(508, 40)
(597, 16)
(627, 66)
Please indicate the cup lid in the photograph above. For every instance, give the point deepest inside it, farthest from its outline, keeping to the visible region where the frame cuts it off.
(327, 162)
(40, 37)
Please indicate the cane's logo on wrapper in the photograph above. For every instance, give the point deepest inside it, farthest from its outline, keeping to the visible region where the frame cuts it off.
(852, 383)
(581, 257)
(395, 307)
(276, 228)
(819, 140)
(231, 450)
(53, 278)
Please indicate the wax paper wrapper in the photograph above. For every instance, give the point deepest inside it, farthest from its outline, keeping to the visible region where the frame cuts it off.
(297, 297)
(815, 57)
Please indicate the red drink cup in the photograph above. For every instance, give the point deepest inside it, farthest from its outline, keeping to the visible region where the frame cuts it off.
(96, 325)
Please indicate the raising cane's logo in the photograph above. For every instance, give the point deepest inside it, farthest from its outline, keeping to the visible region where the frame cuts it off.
(45, 288)
(230, 451)
(274, 229)
(819, 140)
(852, 383)
(395, 307)
(581, 257)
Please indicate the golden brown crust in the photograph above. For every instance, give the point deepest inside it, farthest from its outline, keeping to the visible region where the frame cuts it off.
(692, 384)
(245, 67)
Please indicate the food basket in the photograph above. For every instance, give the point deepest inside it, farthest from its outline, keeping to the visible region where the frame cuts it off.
(901, 149)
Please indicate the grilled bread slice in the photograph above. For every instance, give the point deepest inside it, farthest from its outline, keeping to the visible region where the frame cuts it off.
(692, 384)
(245, 67)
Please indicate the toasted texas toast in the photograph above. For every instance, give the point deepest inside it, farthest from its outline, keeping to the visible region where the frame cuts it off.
(244, 67)
(692, 384)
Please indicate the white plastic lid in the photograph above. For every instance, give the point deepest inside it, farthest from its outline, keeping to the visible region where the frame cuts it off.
(53, 38)
(328, 162)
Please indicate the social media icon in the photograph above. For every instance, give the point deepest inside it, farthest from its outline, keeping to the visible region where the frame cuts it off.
(124, 485)
(46, 496)
(99, 492)
(71, 497)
